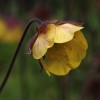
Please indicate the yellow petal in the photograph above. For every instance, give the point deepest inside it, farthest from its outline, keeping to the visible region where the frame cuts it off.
(12, 35)
(62, 58)
(44, 41)
(44, 66)
(58, 66)
(39, 48)
(76, 49)
(65, 32)
(56, 61)
(3, 28)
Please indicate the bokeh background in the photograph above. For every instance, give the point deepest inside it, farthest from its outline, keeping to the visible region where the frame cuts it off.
(26, 82)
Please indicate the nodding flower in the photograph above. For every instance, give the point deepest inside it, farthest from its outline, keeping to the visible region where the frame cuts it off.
(59, 46)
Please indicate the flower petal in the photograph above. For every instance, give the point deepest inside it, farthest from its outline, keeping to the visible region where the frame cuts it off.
(3, 28)
(45, 66)
(65, 32)
(44, 41)
(76, 49)
(62, 58)
(39, 48)
(58, 66)
(56, 60)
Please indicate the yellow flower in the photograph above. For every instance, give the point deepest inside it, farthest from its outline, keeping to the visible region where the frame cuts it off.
(60, 47)
(10, 30)
(3, 28)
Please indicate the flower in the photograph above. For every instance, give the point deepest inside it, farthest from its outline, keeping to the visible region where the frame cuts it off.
(10, 30)
(60, 47)
(2, 28)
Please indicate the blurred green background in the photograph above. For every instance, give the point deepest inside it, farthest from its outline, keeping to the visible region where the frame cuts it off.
(26, 82)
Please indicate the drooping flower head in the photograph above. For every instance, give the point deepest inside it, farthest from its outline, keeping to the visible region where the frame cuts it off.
(59, 46)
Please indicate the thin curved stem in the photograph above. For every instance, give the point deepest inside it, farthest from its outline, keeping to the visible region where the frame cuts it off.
(17, 51)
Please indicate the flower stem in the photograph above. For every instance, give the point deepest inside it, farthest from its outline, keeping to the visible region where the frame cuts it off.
(17, 51)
